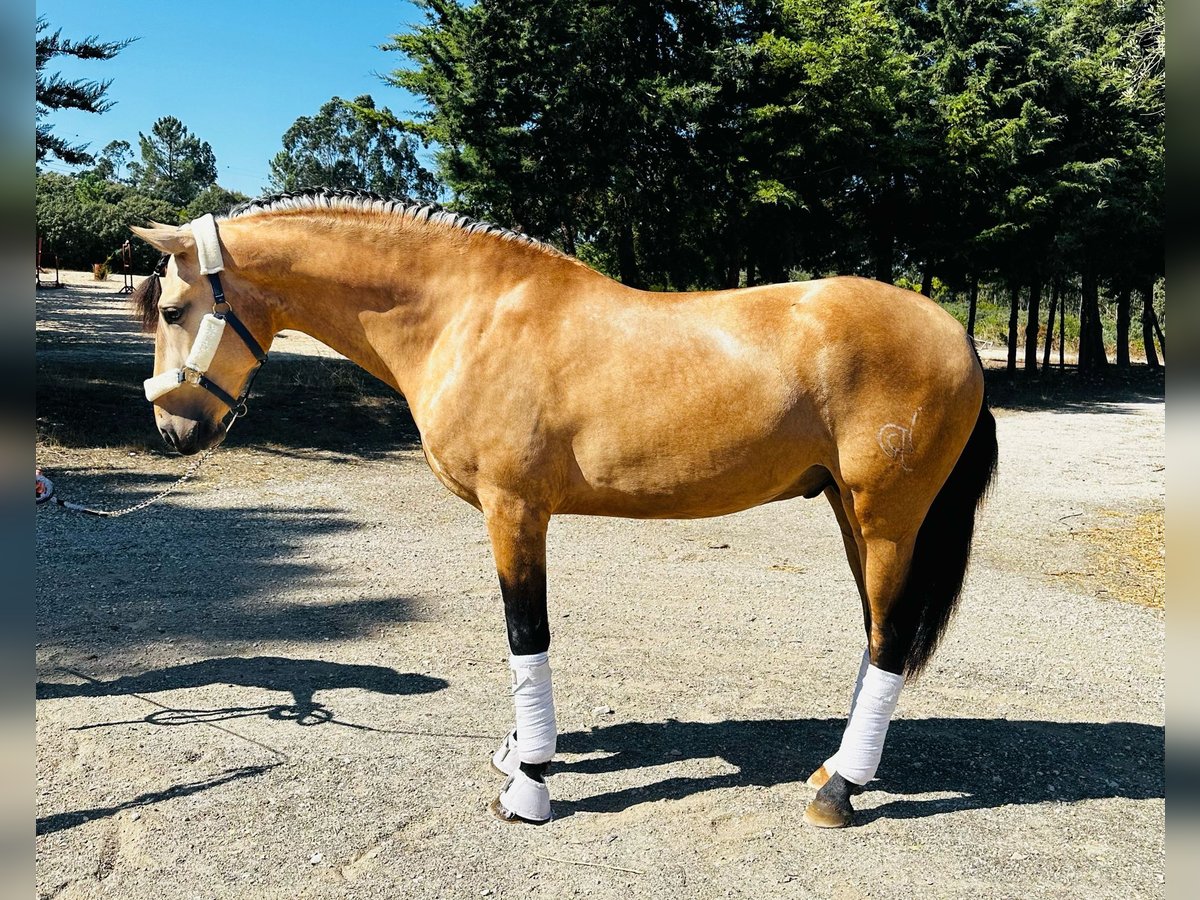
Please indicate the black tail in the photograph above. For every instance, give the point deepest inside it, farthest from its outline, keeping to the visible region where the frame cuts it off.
(939, 561)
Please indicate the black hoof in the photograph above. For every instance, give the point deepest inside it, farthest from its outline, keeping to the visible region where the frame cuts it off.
(831, 807)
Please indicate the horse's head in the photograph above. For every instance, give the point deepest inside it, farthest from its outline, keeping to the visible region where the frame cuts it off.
(202, 368)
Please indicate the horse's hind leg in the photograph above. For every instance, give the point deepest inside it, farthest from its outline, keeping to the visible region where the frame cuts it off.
(890, 632)
(518, 534)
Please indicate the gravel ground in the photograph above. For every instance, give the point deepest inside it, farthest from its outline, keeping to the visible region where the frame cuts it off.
(285, 681)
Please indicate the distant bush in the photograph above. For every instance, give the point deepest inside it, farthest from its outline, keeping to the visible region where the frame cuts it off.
(85, 219)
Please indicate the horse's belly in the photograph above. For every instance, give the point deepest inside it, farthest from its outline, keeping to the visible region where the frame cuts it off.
(683, 485)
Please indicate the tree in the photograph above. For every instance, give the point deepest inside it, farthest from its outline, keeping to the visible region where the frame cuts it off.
(176, 165)
(351, 145)
(53, 92)
(113, 162)
(213, 199)
(1009, 144)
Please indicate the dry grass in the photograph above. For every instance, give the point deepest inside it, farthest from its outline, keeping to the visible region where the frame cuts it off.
(1128, 557)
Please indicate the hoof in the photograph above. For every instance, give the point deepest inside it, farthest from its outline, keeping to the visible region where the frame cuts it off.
(508, 817)
(828, 815)
(831, 807)
(818, 778)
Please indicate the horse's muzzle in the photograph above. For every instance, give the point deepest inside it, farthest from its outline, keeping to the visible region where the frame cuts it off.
(189, 436)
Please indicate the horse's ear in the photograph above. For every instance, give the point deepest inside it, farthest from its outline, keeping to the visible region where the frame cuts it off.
(171, 239)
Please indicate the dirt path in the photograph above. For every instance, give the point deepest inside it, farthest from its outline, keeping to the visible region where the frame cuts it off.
(286, 681)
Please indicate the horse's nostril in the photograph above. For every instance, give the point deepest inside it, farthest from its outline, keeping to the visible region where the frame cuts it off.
(167, 436)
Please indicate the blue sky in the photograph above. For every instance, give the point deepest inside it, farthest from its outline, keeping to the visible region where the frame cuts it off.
(236, 73)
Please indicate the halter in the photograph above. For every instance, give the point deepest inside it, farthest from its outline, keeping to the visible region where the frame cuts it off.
(212, 327)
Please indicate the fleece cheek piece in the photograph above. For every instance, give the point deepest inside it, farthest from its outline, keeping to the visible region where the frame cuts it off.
(162, 384)
(533, 700)
(204, 348)
(208, 247)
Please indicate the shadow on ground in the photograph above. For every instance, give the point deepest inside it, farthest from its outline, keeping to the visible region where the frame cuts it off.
(302, 678)
(64, 820)
(205, 574)
(1067, 390)
(987, 763)
(299, 404)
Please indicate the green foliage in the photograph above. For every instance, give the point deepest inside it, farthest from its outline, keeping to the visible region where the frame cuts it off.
(53, 92)
(213, 199)
(175, 164)
(351, 145)
(84, 220)
(701, 143)
(113, 162)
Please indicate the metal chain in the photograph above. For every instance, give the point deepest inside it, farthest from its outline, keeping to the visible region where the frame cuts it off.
(115, 513)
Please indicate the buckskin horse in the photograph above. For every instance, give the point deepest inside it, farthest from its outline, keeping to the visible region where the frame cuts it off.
(541, 387)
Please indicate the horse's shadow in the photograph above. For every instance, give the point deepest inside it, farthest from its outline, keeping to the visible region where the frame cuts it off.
(983, 763)
(302, 678)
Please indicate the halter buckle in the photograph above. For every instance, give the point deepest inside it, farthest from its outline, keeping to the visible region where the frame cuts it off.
(190, 376)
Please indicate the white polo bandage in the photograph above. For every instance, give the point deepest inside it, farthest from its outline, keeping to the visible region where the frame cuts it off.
(831, 763)
(862, 743)
(533, 701)
(208, 247)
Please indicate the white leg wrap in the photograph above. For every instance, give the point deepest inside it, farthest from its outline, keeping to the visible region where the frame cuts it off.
(533, 700)
(505, 759)
(831, 763)
(862, 744)
(524, 797)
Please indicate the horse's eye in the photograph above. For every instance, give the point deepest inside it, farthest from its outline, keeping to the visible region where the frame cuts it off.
(172, 315)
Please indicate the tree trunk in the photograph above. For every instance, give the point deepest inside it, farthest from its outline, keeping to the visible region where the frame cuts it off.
(883, 257)
(627, 259)
(927, 280)
(1014, 304)
(1149, 320)
(1062, 332)
(1031, 326)
(733, 264)
(1123, 317)
(972, 305)
(1054, 290)
(1092, 357)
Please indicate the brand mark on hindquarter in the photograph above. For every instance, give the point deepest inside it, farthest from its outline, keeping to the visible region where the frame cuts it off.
(896, 441)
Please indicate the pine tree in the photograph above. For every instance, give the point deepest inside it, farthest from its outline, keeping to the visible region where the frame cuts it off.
(53, 92)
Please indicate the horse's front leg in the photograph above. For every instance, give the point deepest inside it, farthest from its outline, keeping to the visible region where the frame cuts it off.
(518, 533)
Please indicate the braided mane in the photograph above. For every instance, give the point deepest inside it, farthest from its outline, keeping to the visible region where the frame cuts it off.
(367, 201)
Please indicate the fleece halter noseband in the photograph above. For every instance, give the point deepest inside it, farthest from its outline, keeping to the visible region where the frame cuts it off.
(212, 327)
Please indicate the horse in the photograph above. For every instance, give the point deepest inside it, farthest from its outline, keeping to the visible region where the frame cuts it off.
(541, 387)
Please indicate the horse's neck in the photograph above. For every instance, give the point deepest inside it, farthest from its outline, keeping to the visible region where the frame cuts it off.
(380, 298)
